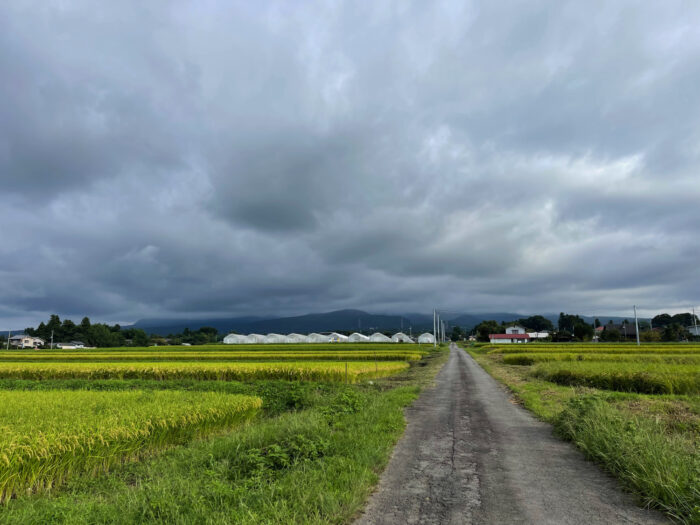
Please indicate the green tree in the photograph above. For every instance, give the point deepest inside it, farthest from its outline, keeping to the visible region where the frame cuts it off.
(596, 323)
(538, 323)
(610, 335)
(457, 334)
(583, 331)
(484, 328)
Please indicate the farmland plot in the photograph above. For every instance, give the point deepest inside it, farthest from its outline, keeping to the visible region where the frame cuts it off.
(49, 436)
(224, 371)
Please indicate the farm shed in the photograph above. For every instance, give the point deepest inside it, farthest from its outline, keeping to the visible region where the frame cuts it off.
(299, 338)
(400, 337)
(358, 338)
(337, 338)
(318, 338)
(377, 337)
(256, 338)
(426, 338)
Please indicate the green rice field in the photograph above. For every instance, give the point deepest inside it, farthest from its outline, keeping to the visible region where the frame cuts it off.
(73, 420)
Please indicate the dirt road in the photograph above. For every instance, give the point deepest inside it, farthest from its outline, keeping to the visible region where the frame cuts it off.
(470, 455)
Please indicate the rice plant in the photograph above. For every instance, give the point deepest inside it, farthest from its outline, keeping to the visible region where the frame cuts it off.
(49, 436)
(348, 371)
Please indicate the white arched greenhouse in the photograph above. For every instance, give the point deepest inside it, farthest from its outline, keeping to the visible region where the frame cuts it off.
(237, 339)
(256, 338)
(337, 338)
(298, 338)
(377, 337)
(272, 339)
(358, 338)
(318, 338)
(400, 337)
(426, 338)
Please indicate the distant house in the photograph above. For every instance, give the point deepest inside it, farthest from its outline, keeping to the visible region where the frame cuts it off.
(627, 330)
(509, 338)
(538, 335)
(26, 341)
(694, 330)
(515, 329)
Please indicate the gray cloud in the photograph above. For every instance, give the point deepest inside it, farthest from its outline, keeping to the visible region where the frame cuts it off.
(208, 159)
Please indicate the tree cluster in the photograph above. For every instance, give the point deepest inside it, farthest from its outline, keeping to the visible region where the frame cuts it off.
(104, 336)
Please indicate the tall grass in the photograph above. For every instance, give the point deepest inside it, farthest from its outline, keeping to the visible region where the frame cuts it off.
(664, 469)
(49, 436)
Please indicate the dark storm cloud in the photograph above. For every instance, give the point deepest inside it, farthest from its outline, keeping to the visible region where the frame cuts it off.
(237, 158)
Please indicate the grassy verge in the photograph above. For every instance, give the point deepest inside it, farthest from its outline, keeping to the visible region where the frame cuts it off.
(313, 458)
(649, 442)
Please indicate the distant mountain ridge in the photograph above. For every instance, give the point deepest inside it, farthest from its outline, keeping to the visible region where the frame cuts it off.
(346, 320)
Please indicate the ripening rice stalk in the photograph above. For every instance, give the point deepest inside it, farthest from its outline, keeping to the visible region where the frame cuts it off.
(223, 371)
(49, 436)
(529, 358)
(38, 356)
(642, 378)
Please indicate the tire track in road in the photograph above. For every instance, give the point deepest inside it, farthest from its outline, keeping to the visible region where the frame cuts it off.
(471, 455)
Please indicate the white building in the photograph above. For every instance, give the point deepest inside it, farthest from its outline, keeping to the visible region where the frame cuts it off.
(694, 330)
(358, 338)
(337, 338)
(509, 338)
(237, 339)
(538, 335)
(400, 337)
(318, 338)
(256, 338)
(377, 337)
(26, 341)
(275, 339)
(298, 338)
(426, 338)
(515, 329)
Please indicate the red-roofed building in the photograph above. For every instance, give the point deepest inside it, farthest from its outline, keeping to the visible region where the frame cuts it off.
(509, 338)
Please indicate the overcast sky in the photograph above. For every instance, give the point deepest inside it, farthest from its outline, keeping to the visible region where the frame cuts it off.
(260, 158)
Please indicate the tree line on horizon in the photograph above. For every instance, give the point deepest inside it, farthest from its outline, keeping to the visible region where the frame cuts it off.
(103, 335)
(663, 327)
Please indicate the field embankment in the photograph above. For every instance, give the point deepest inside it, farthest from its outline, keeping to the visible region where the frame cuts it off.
(635, 410)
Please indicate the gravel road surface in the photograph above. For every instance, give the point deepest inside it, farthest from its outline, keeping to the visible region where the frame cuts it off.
(471, 455)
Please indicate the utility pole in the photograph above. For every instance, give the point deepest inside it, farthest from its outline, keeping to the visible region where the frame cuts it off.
(9, 334)
(434, 333)
(695, 323)
(51, 339)
(636, 324)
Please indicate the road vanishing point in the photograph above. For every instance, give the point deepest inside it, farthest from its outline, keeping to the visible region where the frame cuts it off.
(470, 454)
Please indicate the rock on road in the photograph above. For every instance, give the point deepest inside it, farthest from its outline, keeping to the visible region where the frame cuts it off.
(471, 455)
